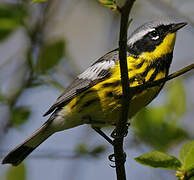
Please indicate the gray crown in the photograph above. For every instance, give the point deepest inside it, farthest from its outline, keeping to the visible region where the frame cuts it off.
(148, 27)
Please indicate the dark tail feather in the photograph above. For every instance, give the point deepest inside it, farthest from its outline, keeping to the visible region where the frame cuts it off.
(17, 155)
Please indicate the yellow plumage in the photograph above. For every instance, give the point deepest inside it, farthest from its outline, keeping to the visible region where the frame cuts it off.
(94, 97)
(106, 109)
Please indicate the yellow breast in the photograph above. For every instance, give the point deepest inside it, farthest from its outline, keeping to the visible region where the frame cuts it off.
(102, 102)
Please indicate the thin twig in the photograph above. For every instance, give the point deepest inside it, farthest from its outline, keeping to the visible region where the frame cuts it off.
(100, 132)
(163, 80)
(120, 130)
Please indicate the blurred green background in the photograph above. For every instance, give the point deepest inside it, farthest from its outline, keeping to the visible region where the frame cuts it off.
(43, 47)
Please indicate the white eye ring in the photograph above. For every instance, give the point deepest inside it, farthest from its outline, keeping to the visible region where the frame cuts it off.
(155, 38)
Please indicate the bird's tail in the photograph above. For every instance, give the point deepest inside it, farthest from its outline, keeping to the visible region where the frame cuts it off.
(18, 154)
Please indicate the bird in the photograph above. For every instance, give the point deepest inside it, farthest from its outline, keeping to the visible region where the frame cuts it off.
(95, 96)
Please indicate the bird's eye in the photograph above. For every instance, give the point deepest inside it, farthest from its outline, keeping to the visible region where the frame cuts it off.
(154, 35)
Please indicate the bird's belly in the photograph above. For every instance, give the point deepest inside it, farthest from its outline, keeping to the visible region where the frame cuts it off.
(142, 99)
(112, 107)
(104, 108)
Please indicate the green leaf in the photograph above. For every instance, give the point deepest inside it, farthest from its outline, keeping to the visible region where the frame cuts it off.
(13, 11)
(39, 1)
(16, 173)
(154, 128)
(11, 17)
(176, 100)
(108, 3)
(2, 98)
(82, 149)
(158, 159)
(7, 24)
(19, 116)
(159, 126)
(98, 150)
(50, 55)
(187, 156)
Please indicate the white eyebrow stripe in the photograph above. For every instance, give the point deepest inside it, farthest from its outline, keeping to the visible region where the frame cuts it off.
(137, 36)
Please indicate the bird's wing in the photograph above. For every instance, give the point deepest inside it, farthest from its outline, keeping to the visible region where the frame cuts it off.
(96, 73)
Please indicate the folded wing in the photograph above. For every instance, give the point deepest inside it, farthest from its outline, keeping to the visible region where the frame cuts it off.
(96, 73)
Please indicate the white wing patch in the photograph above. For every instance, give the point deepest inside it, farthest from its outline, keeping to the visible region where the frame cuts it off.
(93, 72)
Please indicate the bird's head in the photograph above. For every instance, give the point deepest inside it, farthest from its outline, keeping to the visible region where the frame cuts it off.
(154, 39)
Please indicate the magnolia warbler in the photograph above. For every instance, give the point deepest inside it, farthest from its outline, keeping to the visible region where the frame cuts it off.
(94, 97)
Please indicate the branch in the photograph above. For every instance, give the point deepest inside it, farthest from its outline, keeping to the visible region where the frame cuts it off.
(163, 80)
(121, 129)
(121, 125)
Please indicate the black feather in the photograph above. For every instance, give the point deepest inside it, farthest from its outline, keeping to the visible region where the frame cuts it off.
(16, 156)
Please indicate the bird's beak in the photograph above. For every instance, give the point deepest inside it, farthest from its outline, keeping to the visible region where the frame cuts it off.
(176, 27)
